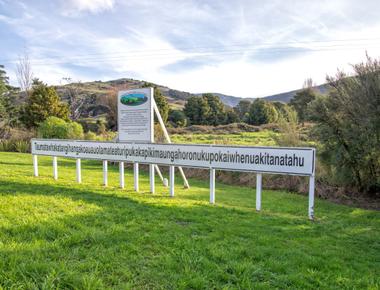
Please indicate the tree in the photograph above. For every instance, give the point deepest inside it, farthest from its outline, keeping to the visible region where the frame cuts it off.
(75, 102)
(217, 114)
(301, 100)
(24, 73)
(205, 110)
(162, 103)
(262, 112)
(231, 116)
(42, 103)
(3, 93)
(178, 118)
(9, 110)
(285, 112)
(242, 109)
(197, 110)
(348, 126)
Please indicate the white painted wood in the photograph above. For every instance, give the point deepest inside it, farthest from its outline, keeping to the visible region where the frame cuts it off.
(212, 185)
(159, 174)
(259, 178)
(35, 165)
(171, 180)
(167, 137)
(55, 168)
(136, 176)
(311, 197)
(105, 172)
(79, 173)
(151, 177)
(121, 173)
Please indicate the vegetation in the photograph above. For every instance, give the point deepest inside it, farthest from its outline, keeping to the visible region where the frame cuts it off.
(262, 138)
(177, 118)
(161, 102)
(348, 126)
(54, 127)
(242, 109)
(63, 235)
(262, 112)
(43, 102)
(343, 124)
(302, 99)
(8, 109)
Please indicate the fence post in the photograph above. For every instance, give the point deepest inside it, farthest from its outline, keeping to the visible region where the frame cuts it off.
(212, 185)
(55, 168)
(105, 172)
(121, 173)
(35, 165)
(151, 177)
(311, 196)
(259, 178)
(171, 180)
(79, 174)
(136, 176)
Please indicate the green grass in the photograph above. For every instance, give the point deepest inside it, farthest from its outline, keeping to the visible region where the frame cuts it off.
(262, 138)
(59, 234)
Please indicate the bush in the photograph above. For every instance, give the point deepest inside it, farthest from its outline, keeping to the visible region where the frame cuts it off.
(12, 145)
(90, 136)
(7, 146)
(22, 146)
(54, 127)
(178, 118)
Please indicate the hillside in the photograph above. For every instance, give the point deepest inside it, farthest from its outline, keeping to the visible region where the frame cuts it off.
(91, 91)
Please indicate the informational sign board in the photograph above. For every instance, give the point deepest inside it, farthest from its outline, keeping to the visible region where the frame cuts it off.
(280, 160)
(135, 115)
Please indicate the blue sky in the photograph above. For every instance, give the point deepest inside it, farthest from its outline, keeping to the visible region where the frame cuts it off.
(242, 48)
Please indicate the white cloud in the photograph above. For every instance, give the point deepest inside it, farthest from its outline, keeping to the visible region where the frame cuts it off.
(76, 7)
(142, 37)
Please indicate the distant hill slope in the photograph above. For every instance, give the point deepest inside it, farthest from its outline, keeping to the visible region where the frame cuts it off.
(282, 97)
(286, 97)
(91, 91)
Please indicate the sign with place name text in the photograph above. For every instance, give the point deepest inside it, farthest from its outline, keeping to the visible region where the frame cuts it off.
(135, 115)
(279, 160)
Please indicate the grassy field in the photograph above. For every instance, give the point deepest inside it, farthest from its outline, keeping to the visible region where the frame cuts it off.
(262, 138)
(59, 234)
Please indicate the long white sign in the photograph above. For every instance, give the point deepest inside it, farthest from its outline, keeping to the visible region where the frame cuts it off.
(297, 161)
(135, 115)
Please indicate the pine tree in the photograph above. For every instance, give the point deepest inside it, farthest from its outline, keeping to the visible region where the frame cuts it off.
(43, 102)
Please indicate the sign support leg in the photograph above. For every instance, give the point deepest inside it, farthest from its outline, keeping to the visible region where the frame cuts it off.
(35, 165)
(159, 173)
(105, 172)
(151, 177)
(167, 137)
(136, 176)
(171, 180)
(212, 186)
(79, 174)
(121, 173)
(311, 196)
(259, 177)
(55, 168)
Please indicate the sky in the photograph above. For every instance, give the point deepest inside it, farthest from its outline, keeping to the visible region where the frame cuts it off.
(241, 48)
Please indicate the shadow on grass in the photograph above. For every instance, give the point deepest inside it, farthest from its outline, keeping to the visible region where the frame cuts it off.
(130, 242)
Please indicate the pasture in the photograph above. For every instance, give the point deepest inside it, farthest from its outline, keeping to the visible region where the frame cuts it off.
(64, 235)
